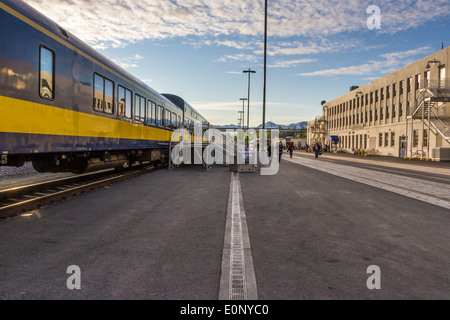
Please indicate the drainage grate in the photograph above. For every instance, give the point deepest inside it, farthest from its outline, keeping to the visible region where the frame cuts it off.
(237, 275)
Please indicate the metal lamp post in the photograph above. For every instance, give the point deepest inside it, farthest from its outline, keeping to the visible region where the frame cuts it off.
(249, 71)
(243, 112)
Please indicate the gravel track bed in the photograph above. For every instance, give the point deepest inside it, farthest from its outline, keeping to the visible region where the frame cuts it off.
(14, 177)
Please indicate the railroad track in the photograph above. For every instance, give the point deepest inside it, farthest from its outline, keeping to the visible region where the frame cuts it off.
(17, 200)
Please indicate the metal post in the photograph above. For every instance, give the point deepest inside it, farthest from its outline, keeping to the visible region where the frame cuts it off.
(412, 136)
(406, 134)
(428, 134)
(243, 112)
(249, 71)
(265, 66)
(423, 124)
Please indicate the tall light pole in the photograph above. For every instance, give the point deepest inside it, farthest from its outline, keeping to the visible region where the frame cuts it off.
(249, 71)
(243, 112)
(265, 66)
(241, 118)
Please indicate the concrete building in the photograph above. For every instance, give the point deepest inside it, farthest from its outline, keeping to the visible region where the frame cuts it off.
(403, 114)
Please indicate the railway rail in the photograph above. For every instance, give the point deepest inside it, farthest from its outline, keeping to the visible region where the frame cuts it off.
(17, 200)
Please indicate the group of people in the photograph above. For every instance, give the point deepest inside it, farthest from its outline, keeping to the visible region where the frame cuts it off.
(317, 148)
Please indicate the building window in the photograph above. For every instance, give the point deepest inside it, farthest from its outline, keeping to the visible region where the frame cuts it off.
(409, 85)
(376, 115)
(402, 86)
(382, 94)
(416, 138)
(387, 112)
(47, 73)
(425, 137)
(426, 79)
(392, 139)
(400, 110)
(388, 92)
(441, 77)
(417, 87)
(376, 95)
(124, 102)
(386, 139)
(394, 111)
(394, 89)
(381, 113)
(380, 139)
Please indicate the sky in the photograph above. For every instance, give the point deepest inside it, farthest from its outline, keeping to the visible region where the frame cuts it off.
(197, 49)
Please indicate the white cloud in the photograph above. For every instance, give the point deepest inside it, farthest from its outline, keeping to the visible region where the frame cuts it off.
(390, 62)
(290, 63)
(128, 62)
(238, 57)
(116, 23)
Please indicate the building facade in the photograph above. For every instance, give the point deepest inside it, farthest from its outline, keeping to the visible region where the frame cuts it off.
(403, 114)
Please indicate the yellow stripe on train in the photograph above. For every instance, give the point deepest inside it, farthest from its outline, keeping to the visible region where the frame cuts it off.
(19, 116)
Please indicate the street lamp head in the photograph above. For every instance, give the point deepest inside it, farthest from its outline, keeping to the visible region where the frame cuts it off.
(249, 71)
(243, 99)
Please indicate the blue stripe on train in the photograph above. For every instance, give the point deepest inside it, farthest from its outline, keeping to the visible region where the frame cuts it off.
(23, 143)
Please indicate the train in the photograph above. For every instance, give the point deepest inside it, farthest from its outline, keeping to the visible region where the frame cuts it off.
(66, 107)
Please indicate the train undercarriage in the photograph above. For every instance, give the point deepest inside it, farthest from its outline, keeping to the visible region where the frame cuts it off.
(81, 162)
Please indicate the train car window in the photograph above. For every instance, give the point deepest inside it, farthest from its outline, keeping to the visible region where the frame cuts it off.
(168, 116)
(143, 107)
(160, 116)
(124, 102)
(47, 73)
(128, 104)
(139, 108)
(99, 88)
(109, 96)
(103, 94)
(174, 120)
(153, 112)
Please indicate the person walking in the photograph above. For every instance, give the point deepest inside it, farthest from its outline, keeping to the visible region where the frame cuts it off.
(280, 152)
(317, 149)
(291, 148)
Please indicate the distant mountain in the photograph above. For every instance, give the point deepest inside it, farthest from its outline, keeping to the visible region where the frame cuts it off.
(231, 126)
(269, 125)
(298, 125)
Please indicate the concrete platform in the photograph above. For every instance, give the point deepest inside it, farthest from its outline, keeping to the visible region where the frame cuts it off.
(310, 234)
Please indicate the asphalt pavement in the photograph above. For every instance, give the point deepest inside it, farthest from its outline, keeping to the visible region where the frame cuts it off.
(313, 235)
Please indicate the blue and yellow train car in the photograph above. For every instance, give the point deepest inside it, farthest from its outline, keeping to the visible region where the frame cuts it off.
(66, 107)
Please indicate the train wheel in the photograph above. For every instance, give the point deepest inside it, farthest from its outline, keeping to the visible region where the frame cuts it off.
(41, 165)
